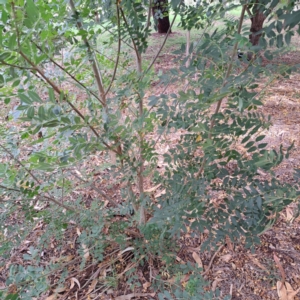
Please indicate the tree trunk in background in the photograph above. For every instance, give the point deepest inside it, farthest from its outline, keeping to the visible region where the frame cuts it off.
(257, 21)
(160, 14)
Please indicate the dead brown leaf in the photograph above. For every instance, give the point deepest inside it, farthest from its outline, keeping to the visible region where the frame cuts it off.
(86, 254)
(215, 283)
(285, 291)
(289, 214)
(92, 286)
(52, 297)
(134, 295)
(226, 257)
(146, 285)
(197, 259)
(257, 262)
(73, 281)
(153, 189)
(280, 267)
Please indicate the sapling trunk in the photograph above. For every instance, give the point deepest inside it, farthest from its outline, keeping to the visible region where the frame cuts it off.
(141, 159)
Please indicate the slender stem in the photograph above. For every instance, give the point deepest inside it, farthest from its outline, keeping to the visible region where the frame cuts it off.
(128, 28)
(141, 158)
(164, 42)
(149, 15)
(57, 90)
(92, 59)
(55, 87)
(224, 83)
(15, 66)
(140, 177)
(20, 163)
(69, 74)
(118, 51)
(114, 33)
(111, 59)
(92, 185)
(29, 172)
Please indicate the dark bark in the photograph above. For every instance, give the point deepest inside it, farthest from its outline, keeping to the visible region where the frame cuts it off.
(161, 15)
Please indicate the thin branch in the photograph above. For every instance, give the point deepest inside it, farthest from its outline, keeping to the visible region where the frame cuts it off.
(40, 71)
(92, 59)
(57, 90)
(107, 57)
(132, 39)
(35, 178)
(164, 42)
(20, 163)
(149, 15)
(114, 33)
(69, 74)
(15, 66)
(249, 12)
(212, 260)
(92, 185)
(51, 199)
(118, 51)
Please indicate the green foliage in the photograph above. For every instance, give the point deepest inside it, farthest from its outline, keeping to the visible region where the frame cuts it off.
(78, 96)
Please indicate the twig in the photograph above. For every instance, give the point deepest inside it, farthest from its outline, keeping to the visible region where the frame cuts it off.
(96, 189)
(212, 260)
(119, 50)
(36, 180)
(164, 42)
(92, 59)
(15, 66)
(68, 73)
(20, 163)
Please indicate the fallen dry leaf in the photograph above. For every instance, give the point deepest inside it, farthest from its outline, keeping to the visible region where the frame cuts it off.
(52, 297)
(92, 286)
(289, 214)
(226, 257)
(215, 283)
(146, 285)
(125, 250)
(160, 193)
(73, 281)
(86, 251)
(60, 289)
(257, 262)
(280, 267)
(285, 291)
(185, 278)
(134, 295)
(153, 189)
(197, 259)
(230, 245)
(290, 292)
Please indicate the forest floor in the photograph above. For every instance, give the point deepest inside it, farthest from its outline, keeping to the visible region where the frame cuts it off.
(236, 271)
